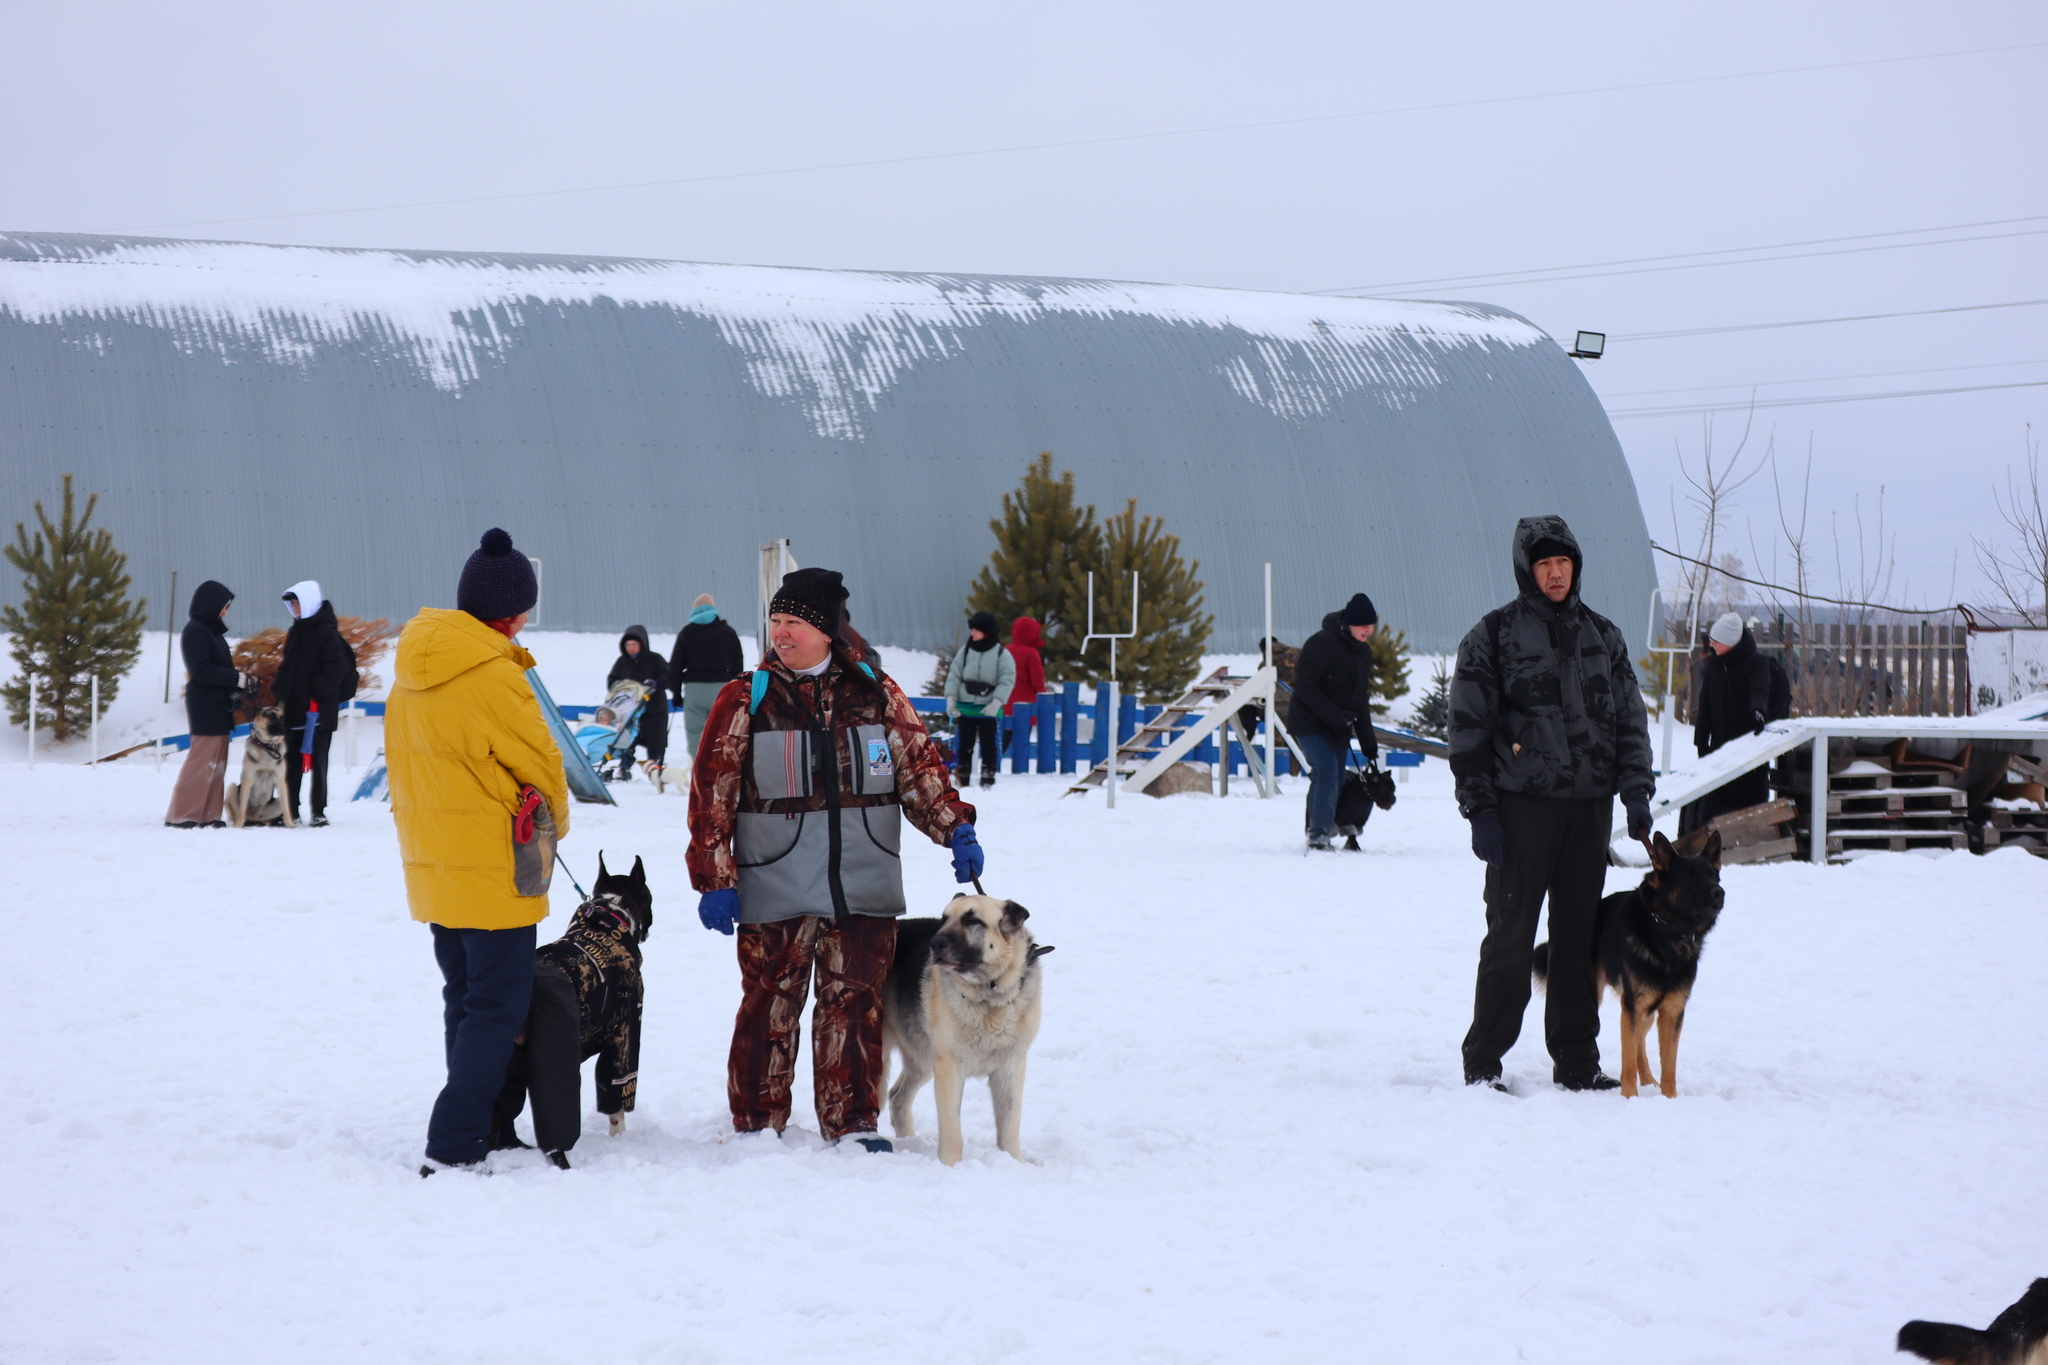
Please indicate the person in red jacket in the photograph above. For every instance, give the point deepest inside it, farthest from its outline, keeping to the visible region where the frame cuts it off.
(1025, 639)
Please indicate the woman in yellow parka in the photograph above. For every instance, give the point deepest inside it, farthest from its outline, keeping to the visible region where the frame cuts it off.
(463, 739)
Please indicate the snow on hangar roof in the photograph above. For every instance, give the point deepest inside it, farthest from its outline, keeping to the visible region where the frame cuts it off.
(706, 407)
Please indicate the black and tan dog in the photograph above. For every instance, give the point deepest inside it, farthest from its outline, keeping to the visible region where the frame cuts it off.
(2018, 1336)
(963, 1000)
(1646, 945)
(587, 994)
(257, 795)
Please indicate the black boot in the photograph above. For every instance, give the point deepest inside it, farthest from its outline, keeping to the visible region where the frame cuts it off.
(559, 1160)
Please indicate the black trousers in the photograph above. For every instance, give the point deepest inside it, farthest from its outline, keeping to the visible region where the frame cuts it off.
(1555, 848)
(973, 730)
(1753, 788)
(322, 737)
(547, 1066)
(653, 732)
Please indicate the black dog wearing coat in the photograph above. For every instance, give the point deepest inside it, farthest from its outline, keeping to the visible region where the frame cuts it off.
(587, 993)
(1646, 945)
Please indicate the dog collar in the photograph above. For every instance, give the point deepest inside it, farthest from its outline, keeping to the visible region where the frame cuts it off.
(607, 906)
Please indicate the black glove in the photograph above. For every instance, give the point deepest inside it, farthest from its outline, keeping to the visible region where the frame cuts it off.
(1638, 817)
(1757, 719)
(1489, 840)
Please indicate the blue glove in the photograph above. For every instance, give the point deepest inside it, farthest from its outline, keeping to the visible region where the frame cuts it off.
(1489, 840)
(967, 855)
(1638, 818)
(719, 909)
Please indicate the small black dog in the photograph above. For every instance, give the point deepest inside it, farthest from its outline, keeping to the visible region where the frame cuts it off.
(2018, 1336)
(587, 993)
(1646, 945)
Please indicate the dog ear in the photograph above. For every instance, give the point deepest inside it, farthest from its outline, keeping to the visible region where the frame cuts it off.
(1014, 916)
(601, 873)
(1036, 951)
(1661, 852)
(639, 871)
(1712, 852)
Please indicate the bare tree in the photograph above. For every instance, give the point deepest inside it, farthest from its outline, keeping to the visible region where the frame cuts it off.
(2020, 573)
(1713, 486)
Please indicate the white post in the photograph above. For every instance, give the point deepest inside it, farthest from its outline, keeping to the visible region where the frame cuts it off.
(95, 744)
(1115, 737)
(1817, 822)
(31, 720)
(349, 744)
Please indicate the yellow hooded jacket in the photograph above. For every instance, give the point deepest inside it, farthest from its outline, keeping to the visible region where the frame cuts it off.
(462, 733)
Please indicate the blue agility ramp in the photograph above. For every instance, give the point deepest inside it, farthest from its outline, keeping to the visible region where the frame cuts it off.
(584, 783)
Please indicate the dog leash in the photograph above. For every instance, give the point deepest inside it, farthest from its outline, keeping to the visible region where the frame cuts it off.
(570, 875)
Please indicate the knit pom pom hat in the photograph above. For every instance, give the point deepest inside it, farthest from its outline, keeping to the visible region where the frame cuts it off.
(497, 582)
(813, 596)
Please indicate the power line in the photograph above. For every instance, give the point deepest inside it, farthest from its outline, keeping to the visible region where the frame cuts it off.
(1746, 260)
(1683, 409)
(1809, 596)
(1115, 138)
(1824, 379)
(1815, 322)
(1503, 276)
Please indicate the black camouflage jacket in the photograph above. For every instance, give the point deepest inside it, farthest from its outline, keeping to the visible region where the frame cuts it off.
(1545, 701)
(602, 962)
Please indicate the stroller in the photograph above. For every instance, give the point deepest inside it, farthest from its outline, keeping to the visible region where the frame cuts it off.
(609, 735)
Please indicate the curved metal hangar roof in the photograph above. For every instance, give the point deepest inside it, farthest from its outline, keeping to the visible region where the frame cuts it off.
(261, 414)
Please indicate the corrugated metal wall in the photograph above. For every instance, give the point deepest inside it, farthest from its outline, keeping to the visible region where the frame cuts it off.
(264, 414)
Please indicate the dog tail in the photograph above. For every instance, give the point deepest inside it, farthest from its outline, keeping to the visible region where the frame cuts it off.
(1539, 965)
(1943, 1341)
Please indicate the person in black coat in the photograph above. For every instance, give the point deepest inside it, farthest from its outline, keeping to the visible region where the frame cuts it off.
(212, 683)
(706, 658)
(318, 668)
(1332, 703)
(1734, 699)
(644, 666)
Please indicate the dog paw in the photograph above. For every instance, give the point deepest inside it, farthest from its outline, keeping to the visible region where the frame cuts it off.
(618, 1124)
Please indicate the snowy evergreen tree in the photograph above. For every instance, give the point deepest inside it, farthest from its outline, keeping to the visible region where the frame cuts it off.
(1172, 627)
(75, 621)
(1045, 546)
(1433, 713)
(1389, 668)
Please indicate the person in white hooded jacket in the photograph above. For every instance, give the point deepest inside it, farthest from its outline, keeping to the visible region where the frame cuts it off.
(318, 669)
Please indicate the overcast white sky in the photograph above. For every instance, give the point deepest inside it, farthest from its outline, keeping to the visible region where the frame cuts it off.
(218, 120)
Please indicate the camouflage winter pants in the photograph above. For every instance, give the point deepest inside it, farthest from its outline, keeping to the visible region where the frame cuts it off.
(776, 960)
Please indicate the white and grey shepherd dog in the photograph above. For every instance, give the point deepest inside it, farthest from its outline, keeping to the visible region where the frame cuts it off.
(963, 1000)
(258, 797)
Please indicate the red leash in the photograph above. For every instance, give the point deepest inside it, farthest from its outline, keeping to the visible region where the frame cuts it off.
(522, 821)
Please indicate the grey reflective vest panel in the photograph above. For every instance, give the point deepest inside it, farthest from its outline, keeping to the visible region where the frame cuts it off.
(785, 857)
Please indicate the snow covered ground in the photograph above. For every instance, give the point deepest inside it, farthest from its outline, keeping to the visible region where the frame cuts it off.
(1250, 1138)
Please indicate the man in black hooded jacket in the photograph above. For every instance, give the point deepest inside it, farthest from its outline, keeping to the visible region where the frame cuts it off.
(1737, 697)
(1333, 702)
(318, 669)
(1547, 728)
(650, 670)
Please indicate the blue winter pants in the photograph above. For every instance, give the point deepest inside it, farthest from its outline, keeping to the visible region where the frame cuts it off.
(489, 983)
(1326, 757)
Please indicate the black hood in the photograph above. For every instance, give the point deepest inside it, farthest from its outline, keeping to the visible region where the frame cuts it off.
(1530, 530)
(207, 600)
(1334, 623)
(635, 633)
(985, 622)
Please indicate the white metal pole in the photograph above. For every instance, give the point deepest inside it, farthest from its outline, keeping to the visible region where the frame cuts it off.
(95, 742)
(31, 720)
(1115, 731)
(1817, 822)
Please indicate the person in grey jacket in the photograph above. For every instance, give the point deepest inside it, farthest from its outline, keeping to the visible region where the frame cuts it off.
(979, 681)
(1547, 728)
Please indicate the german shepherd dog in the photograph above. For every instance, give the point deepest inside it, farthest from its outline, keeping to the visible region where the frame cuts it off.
(963, 1000)
(258, 797)
(2018, 1336)
(1646, 945)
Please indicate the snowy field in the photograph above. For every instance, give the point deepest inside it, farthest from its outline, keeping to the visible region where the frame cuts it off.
(1250, 1141)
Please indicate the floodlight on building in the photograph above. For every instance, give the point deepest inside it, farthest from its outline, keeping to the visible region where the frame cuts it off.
(1589, 346)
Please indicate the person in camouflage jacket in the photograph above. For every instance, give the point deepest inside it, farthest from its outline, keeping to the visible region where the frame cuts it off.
(796, 803)
(1547, 727)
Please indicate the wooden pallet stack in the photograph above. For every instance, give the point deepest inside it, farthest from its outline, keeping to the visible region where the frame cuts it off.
(2015, 815)
(1877, 803)
(1756, 834)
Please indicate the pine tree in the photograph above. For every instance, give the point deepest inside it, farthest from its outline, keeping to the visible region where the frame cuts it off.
(1172, 627)
(1389, 667)
(1433, 713)
(75, 621)
(1045, 546)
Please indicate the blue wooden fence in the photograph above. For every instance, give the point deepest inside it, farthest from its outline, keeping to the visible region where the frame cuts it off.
(1044, 736)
